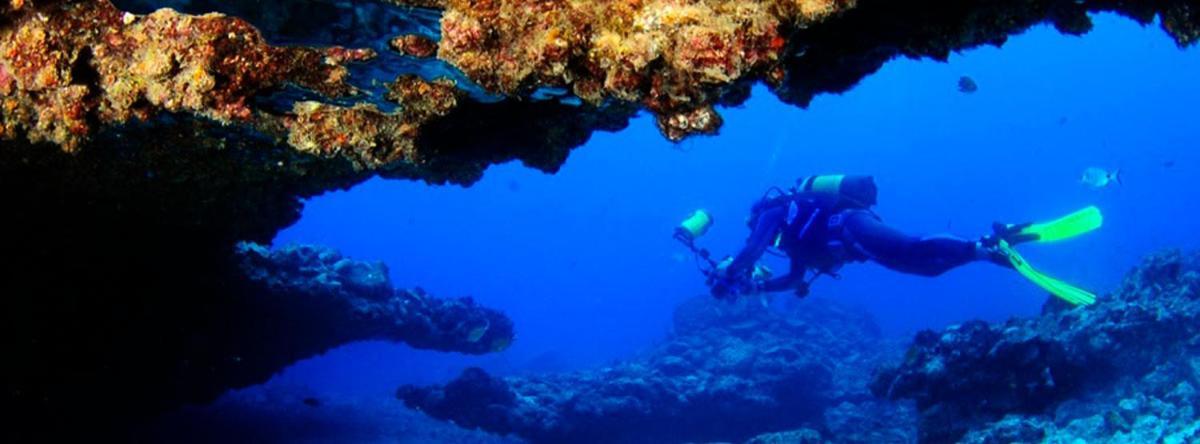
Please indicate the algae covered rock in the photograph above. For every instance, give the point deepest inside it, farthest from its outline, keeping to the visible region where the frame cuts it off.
(801, 436)
(1121, 369)
(730, 372)
(360, 303)
(74, 68)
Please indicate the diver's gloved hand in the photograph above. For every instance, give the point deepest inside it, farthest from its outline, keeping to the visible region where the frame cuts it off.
(730, 287)
(1010, 233)
(992, 254)
(722, 290)
(721, 284)
(755, 285)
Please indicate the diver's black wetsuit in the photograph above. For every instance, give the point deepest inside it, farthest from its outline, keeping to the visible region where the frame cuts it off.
(819, 234)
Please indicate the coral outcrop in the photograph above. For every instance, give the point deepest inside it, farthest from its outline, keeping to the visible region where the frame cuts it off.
(68, 65)
(672, 56)
(1123, 370)
(358, 302)
(414, 45)
(365, 135)
(71, 68)
(728, 373)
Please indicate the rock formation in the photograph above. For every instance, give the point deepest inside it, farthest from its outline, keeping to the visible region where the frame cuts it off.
(169, 342)
(139, 145)
(729, 372)
(70, 68)
(1123, 370)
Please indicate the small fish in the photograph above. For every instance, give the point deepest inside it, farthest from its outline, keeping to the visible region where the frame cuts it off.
(1100, 178)
(477, 333)
(312, 402)
(966, 85)
(1168, 164)
(500, 344)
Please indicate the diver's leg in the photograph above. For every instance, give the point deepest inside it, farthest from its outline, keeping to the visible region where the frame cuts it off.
(926, 256)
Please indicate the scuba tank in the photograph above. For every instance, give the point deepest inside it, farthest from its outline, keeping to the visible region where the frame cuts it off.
(832, 192)
(855, 190)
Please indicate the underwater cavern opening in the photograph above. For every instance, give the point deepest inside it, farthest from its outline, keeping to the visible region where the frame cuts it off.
(131, 287)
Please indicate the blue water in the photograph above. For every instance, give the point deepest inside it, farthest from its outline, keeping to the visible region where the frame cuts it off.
(584, 263)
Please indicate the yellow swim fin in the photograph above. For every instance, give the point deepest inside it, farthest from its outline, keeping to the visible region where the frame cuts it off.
(1066, 227)
(1067, 292)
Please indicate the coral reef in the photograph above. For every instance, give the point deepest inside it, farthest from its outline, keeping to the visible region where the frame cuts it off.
(801, 436)
(363, 134)
(69, 63)
(670, 55)
(70, 67)
(679, 58)
(1124, 370)
(729, 372)
(414, 45)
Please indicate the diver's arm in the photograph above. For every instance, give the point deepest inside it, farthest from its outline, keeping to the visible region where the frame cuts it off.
(787, 281)
(926, 256)
(769, 223)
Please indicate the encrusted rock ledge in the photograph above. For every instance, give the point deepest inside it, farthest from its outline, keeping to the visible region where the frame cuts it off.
(70, 68)
(340, 300)
(1123, 370)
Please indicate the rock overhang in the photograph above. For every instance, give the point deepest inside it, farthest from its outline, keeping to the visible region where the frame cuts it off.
(502, 61)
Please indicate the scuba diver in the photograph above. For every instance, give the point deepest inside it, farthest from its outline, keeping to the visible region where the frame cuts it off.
(826, 222)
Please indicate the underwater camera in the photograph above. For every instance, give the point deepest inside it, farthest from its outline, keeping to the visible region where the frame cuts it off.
(693, 228)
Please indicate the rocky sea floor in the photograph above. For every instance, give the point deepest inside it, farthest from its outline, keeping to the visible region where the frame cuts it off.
(283, 415)
(1125, 370)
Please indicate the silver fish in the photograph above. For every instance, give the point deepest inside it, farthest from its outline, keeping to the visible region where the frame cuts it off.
(1100, 178)
(477, 333)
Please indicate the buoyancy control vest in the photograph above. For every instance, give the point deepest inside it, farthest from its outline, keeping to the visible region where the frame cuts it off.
(808, 236)
(813, 233)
